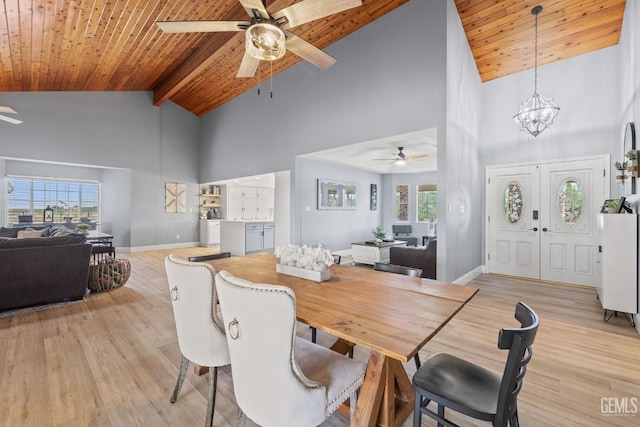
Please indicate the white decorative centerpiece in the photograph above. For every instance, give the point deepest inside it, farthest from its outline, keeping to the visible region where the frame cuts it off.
(304, 261)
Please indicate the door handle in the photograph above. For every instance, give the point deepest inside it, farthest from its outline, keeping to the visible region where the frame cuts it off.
(545, 229)
(534, 229)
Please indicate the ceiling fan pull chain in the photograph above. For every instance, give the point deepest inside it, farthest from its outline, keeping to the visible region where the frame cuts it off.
(259, 81)
(271, 79)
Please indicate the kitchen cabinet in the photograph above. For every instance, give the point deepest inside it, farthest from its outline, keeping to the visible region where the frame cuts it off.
(253, 238)
(268, 236)
(245, 237)
(618, 287)
(249, 203)
(209, 232)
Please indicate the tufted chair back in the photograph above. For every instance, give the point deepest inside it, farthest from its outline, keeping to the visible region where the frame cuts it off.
(279, 379)
(193, 295)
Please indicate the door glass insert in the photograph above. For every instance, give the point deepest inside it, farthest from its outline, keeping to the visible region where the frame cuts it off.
(513, 202)
(570, 200)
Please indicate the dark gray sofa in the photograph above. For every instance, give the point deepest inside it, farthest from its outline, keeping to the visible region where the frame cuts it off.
(43, 269)
(423, 257)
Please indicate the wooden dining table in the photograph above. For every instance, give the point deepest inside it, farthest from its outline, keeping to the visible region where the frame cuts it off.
(392, 315)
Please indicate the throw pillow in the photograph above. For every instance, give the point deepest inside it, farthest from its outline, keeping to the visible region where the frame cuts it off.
(29, 234)
(9, 232)
(59, 231)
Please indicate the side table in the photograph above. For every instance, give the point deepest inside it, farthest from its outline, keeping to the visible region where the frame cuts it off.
(371, 252)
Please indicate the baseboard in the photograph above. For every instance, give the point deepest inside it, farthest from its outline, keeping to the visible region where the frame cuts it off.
(157, 247)
(346, 252)
(466, 278)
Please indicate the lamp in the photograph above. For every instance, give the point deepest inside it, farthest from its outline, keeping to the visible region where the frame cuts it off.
(536, 113)
(265, 41)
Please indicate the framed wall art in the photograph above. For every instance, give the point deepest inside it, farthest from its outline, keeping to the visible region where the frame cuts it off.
(175, 197)
(373, 205)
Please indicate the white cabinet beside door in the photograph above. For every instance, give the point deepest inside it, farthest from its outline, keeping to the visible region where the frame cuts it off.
(618, 285)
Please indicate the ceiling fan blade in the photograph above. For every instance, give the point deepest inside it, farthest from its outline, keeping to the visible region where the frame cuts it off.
(250, 5)
(8, 110)
(413, 160)
(248, 66)
(310, 10)
(308, 52)
(419, 156)
(10, 120)
(201, 26)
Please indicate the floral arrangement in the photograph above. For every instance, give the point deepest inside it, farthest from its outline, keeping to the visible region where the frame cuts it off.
(305, 256)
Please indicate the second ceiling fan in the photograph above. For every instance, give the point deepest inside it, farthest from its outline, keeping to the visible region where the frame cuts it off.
(267, 35)
(401, 158)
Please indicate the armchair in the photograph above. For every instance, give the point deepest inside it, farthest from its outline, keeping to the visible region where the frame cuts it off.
(402, 232)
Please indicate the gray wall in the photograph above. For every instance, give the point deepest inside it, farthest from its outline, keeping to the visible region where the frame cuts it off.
(459, 210)
(374, 90)
(115, 130)
(335, 229)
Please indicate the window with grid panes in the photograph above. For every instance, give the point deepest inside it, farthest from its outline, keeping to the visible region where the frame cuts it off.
(427, 205)
(31, 196)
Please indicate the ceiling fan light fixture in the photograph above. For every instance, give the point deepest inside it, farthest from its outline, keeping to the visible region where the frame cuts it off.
(401, 162)
(265, 41)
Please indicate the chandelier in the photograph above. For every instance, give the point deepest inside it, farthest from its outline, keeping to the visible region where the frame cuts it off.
(536, 113)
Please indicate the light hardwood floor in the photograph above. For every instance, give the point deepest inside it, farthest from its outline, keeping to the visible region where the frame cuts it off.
(112, 359)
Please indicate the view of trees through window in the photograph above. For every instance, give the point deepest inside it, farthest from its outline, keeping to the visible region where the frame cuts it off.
(402, 203)
(31, 196)
(427, 202)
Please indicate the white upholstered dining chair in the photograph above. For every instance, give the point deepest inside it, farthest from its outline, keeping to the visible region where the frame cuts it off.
(200, 330)
(279, 379)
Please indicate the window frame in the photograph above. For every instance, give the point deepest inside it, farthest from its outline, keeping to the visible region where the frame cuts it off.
(398, 203)
(63, 189)
(430, 188)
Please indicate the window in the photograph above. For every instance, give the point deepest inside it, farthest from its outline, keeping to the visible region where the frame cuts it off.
(427, 203)
(402, 203)
(31, 196)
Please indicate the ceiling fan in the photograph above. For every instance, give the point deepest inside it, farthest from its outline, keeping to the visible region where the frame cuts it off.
(400, 158)
(267, 35)
(9, 110)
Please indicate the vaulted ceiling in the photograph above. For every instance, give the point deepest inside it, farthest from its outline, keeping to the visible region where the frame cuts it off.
(114, 45)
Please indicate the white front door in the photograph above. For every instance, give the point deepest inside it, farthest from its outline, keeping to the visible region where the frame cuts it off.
(572, 195)
(514, 245)
(542, 220)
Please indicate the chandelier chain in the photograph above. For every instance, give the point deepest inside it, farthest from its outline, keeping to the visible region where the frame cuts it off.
(535, 71)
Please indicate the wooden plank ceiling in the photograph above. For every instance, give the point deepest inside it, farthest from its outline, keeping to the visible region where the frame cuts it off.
(501, 33)
(114, 45)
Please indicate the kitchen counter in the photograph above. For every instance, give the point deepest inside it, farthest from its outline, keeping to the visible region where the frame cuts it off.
(241, 237)
(249, 220)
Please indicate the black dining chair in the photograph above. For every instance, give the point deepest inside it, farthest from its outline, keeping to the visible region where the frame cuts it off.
(407, 271)
(399, 269)
(202, 258)
(472, 390)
